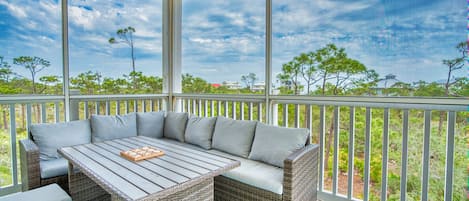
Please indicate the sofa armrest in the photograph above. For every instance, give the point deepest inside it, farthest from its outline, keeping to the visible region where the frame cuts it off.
(30, 170)
(300, 174)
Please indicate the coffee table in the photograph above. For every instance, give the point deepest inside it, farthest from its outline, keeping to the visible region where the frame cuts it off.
(183, 173)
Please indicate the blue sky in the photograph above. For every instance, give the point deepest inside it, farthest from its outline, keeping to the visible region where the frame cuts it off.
(223, 40)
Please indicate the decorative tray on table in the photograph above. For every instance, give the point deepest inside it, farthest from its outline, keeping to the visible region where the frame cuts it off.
(142, 153)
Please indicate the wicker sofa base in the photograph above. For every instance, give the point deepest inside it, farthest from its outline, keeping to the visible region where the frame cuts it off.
(227, 189)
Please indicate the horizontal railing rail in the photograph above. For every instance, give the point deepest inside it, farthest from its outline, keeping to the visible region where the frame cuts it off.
(336, 123)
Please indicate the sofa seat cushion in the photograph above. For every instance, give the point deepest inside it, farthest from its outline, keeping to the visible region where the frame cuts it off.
(50, 137)
(199, 131)
(53, 168)
(175, 125)
(105, 127)
(233, 136)
(274, 144)
(51, 192)
(150, 124)
(254, 173)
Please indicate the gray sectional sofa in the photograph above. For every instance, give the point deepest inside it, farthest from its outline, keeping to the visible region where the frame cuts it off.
(276, 163)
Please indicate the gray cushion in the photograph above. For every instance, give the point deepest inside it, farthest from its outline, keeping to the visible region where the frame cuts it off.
(233, 136)
(175, 125)
(51, 192)
(112, 127)
(273, 144)
(53, 168)
(150, 124)
(199, 131)
(254, 173)
(50, 137)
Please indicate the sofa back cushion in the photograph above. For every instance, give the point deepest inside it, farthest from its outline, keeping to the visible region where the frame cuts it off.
(112, 127)
(274, 144)
(150, 124)
(175, 125)
(50, 137)
(199, 131)
(233, 136)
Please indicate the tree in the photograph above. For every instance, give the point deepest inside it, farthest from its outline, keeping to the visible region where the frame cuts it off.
(249, 80)
(365, 85)
(5, 70)
(191, 84)
(88, 82)
(453, 65)
(34, 65)
(290, 76)
(125, 36)
(329, 59)
(50, 80)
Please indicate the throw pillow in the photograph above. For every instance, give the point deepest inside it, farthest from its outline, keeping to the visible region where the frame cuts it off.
(112, 127)
(233, 136)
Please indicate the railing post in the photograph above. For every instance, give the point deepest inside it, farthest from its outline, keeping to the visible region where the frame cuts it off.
(74, 106)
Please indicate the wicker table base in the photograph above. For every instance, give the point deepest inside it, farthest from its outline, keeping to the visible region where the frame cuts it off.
(82, 188)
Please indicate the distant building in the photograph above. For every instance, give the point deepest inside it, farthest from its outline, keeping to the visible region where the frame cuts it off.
(260, 86)
(231, 85)
(385, 83)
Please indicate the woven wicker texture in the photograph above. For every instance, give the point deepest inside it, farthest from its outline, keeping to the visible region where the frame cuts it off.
(299, 183)
(30, 169)
(83, 188)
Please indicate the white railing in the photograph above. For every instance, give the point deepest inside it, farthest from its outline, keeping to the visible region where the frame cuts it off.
(336, 124)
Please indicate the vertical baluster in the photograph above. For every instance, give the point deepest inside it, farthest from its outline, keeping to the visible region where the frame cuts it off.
(259, 109)
(226, 109)
(449, 156)
(127, 106)
(159, 106)
(384, 166)
(336, 150)
(297, 115)
(29, 116)
(189, 106)
(212, 108)
(206, 108)
(200, 108)
(233, 110)
(108, 108)
(118, 107)
(426, 154)
(135, 106)
(14, 163)
(241, 110)
(144, 106)
(405, 132)
(274, 119)
(194, 106)
(183, 105)
(366, 190)
(309, 118)
(351, 151)
(97, 107)
(322, 132)
(152, 105)
(250, 111)
(218, 108)
(85, 108)
(43, 113)
(285, 115)
(57, 112)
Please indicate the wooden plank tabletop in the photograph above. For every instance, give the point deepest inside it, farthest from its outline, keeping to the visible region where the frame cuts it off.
(181, 167)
